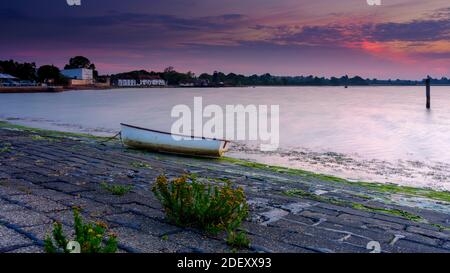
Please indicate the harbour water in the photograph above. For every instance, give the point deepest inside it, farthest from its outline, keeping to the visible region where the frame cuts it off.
(381, 134)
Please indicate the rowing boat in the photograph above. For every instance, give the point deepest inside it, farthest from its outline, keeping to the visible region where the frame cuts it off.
(153, 140)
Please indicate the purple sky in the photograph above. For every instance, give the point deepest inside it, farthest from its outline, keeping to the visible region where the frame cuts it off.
(399, 39)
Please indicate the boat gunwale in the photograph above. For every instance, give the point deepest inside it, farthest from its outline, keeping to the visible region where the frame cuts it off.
(167, 133)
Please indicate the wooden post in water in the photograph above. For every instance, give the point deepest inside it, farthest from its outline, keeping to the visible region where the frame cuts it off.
(428, 89)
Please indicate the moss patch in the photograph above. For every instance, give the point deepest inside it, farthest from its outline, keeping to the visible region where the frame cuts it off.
(140, 165)
(396, 212)
(5, 148)
(319, 198)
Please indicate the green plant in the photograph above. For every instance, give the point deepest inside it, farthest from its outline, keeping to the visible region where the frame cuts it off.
(90, 237)
(238, 239)
(213, 208)
(117, 189)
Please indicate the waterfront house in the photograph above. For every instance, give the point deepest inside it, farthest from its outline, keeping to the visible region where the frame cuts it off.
(7, 80)
(186, 84)
(150, 80)
(139, 81)
(126, 82)
(194, 83)
(79, 76)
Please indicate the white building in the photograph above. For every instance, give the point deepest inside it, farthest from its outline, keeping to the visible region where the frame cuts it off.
(152, 82)
(141, 80)
(78, 74)
(126, 82)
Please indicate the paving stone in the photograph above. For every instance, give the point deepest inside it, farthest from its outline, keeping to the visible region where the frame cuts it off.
(370, 222)
(263, 245)
(52, 194)
(64, 187)
(10, 238)
(66, 217)
(40, 181)
(8, 191)
(428, 232)
(24, 217)
(28, 250)
(446, 245)
(144, 243)
(37, 203)
(416, 237)
(145, 224)
(8, 206)
(381, 236)
(42, 231)
(142, 210)
(404, 246)
(93, 208)
(306, 237)
(198, 242)
(36, 178)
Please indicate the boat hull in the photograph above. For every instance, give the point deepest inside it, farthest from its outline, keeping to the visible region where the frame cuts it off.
(141, 138)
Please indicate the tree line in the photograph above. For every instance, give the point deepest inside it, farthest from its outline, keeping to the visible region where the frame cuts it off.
(175, 78)
(51, 73)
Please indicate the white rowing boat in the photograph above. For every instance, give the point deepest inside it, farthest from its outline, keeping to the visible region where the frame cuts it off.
(142, 138)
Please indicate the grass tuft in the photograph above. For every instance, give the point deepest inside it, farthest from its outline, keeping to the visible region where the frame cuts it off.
(119, 190)
(238, 239)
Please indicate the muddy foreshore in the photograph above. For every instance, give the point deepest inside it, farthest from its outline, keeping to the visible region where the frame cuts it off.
(43, 174)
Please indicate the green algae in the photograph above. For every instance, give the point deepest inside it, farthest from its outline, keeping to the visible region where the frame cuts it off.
(48, 133)
(377, 187)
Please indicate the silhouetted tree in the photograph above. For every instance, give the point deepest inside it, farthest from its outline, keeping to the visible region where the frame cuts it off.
(49, 73)
(79, 62)
(23, 71)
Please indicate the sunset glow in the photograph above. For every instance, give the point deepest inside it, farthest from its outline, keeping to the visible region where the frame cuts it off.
(325, 38)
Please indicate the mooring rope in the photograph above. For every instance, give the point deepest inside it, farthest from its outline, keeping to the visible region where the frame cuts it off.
(119, 134)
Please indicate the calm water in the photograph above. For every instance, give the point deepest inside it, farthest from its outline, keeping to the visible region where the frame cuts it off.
(358, 124)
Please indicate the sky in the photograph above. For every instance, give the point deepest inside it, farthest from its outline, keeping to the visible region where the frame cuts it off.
(405, 39)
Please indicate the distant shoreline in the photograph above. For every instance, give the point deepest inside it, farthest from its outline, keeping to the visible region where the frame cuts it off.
(49, 89)
(56, 89)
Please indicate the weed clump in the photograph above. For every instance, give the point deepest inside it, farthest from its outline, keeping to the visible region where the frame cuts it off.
(213, 208)
(89, 236)
(119, 190)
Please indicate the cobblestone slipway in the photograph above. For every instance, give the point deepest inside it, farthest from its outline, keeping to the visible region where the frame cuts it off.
(43, 176)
